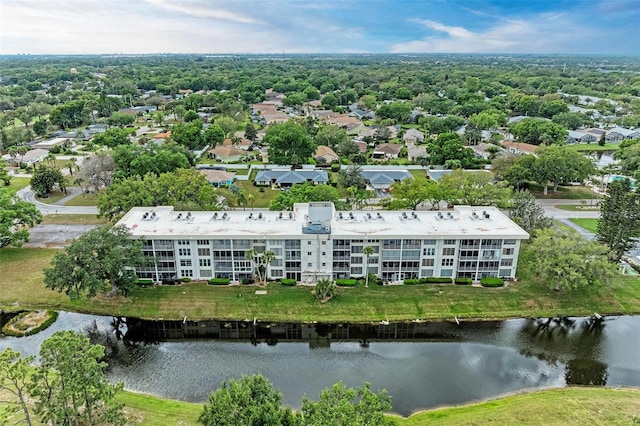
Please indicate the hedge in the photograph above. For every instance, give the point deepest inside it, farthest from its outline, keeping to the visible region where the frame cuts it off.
(288, 282)
(220, 281)
(463, 281)
(53, 316)
(491, 282)
(144, 282)
(346, 282)
(412, 281)
(247, 281)
(438, 280)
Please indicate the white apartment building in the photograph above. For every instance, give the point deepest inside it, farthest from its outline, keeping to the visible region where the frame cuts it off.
(315, 241)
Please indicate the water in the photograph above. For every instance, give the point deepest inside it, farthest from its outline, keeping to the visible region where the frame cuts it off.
(458, 364)
(604, 158)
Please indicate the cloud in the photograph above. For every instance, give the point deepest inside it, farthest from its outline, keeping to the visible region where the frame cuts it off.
(543, 33)
(207, 10)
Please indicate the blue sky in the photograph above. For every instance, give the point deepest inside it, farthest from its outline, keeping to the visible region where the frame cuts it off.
(331, 26)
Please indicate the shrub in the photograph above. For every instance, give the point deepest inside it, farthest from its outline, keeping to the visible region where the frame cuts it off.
(288, 282)
(463, 281)
(412, 281)
(335, 167)
(379, 281)
(491, 282)
(439, 280)
(144, 282)
(219, 281)
(52, 317)
(346, 282)
(247, 281)
(185, 280)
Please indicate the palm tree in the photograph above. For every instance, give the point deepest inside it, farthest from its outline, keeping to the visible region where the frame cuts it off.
(267, 258)
(241, 199)
(250, 200)
(72, 165)
(252, 256)
(367, 251)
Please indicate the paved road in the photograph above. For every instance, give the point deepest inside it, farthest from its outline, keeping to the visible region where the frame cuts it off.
(553, 212)
(28, 195)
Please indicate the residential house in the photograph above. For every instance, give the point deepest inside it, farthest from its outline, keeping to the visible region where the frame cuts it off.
(218, 177)
(598, 133)
(325, 155)
(383, 179)
(386, 151)
(519, 147)
(618, 134)
(30, 158)
(285, 178)
(55, 142)
(413, 136)
(415, 153)
(362, 147)
(580, 137)
(243, 144)
(482, 150)
(226, 154)
(159, 138)
(438, 174)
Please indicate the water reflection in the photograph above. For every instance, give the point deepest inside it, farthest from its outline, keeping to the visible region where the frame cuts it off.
(421, 364)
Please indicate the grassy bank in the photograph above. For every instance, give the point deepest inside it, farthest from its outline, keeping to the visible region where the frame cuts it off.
(73, 219)
(22, 287)
(563, 192)
(590, 225)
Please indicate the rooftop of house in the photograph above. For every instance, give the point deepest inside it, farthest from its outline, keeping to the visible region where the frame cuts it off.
(388, 148)
(462, 222)
(288, 176)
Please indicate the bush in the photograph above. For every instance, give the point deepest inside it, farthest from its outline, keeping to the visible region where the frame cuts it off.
(379, 281)
(491, 282)
(219, 281)
(463, 281)
(288, 282)
(6, 330)
(346, 282)
(185, 280)
(247, 281)
(335, 167)
(412, 281)
(439, 280)
(144, 282)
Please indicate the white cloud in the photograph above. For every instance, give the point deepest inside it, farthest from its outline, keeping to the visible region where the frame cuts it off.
(544, 33)
(208, 10)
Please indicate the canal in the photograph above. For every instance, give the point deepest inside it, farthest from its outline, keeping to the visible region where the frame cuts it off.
(422, 365)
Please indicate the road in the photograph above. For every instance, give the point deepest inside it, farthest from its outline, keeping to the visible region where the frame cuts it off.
(28, 195)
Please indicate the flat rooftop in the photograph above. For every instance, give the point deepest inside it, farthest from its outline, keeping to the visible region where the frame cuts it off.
(462, 222)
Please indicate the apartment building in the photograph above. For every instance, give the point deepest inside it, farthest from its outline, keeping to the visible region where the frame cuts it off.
(315, 241)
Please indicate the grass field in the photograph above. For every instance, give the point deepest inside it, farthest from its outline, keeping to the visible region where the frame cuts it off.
(590, 225)
(17, 183)
(73, 219)
(260, 199)
(593, 147)
(83, 200)
(53, 197)
(22, 287)
(578, 208)
(564, 192)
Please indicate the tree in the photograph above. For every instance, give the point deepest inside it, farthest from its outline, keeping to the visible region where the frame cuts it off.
(120, 119)
(367, 251)
(289, 143)
(303, 193)
(325, 289)
(103, 258)
(188, 134)
(112, 138)
(72, 165)
(342, 406)
(629, 156)
(5, 177)
(551, 108)
(40, 127)
(565, 260)
(137, 160)
(227, 124)
(619, 223)
(214, 135)
(474, 189)
(190, 115)
(14, 373)
(348, 149)
(16, 217)
(70, 114)
(69, 385)
(331, 136)
(352, 177)
(261, 262)
(98, 170)
(449, 146)
(411, 192)
(397, 111)
(537, 131)
(45, 178)
(250, 132)
(560, 164)
(521, 172)
(250, 401)
(329, 101)
(526, 213)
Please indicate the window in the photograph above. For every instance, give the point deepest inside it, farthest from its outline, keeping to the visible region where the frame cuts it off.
(205, 273)
(507, 252)
(431, 251)
(324, 253)
(356, 271)
(203, 242)
(429, 242)
(309, 265)
(205, 262)
(505, 272)
(428, 262)
(204, 252)
(183, 242)
(324, 243)
(185, 262)
(324, 264)
(449, 242)
(308, 243)
(186, 272)
(184, 252)
(426, 272)
(356, 249)
(506, 262)
(447, 262)
(357, 260)
(446, 272)
(510, 242)
(448, 251)
(391, 244)
(309, 253)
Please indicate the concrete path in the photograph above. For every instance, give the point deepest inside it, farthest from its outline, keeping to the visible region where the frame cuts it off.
(28, 195)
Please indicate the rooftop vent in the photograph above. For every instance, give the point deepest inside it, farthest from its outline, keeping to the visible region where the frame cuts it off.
(368, 215)
(379, 215)
(259, 215)
(224, 215)
(404, 215)
(215, 216)
(439, 215)
(340, 215)
(486, 215)
(179, 217)
(414, 215)
(250, 215)
(290, 215)
(351, 216)
(280, 215)
(145, 216)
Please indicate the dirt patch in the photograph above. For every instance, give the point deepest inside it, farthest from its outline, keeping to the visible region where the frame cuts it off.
(29, 322)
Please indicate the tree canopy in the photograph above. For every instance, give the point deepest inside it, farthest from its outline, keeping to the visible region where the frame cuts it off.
(45, 178)
(619, 223)
(449, 146)
(98, 261)
(537, 131)
(474, 189)
(138, 160)
(304, 193)
(16, 217)
(289, 143)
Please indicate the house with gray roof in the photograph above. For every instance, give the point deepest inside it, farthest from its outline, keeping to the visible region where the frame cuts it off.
(580, 137)
(285, 178)
(618, 134)
(383, 179)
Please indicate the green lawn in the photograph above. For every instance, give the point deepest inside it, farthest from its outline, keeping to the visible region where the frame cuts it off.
(17, 183)
(260, 199)
(564, 192)
(83, 199)
(590, 225)
(579, 207)
(147, 410)
(592, 147)
(73, 219)
(53, 197)
(22, 287)
(562, 407)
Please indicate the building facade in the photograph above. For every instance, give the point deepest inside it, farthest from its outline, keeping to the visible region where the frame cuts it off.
(314, 241)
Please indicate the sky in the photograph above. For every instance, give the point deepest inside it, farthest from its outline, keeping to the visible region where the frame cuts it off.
(311, 26)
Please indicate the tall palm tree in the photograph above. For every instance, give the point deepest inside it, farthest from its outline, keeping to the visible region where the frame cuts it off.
(367, 251)
(267, 258)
